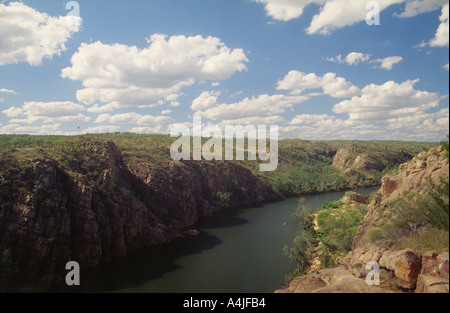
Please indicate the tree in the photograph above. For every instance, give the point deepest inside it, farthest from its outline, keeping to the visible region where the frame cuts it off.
(438, 209)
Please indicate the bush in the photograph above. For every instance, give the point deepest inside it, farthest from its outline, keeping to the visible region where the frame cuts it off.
(414, 213)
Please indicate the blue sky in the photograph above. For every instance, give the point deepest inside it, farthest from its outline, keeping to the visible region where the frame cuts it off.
(315, 68)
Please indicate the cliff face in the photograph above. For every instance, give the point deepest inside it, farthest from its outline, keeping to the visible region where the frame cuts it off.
(101, 208)
(419, 271)
(362, 161)
(413, 177)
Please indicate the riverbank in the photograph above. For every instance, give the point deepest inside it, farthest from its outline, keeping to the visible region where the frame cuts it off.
(403, 236)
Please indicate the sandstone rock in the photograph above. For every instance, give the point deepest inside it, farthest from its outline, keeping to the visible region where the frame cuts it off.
(93, 217)
(413, 177)
(407, 268)
(429, 264)
(335, 280)
(442, 263)
(432, 284)
(388, 259)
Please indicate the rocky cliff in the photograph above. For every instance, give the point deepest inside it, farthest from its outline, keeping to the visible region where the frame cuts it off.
(98, 207)
(364, 162)
(401, 270)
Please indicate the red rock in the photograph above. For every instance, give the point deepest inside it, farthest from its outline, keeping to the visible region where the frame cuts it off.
(442, 263)
(432, 284)
(428, 263)
(407, 268)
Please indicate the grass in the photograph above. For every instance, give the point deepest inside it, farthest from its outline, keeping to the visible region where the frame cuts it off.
(436, 240)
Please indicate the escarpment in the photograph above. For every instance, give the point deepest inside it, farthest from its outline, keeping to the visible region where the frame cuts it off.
(400, 270)
(92, 206)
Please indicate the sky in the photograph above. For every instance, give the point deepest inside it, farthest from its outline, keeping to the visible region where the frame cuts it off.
(319, 69)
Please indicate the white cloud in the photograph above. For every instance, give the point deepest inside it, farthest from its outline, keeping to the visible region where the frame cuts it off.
(48, 112)
(442, 34)
(445, 66)
(164, 112)
(309, 119)
(285, 10)
(325, 127)
(390, 100)
(122, 76)
(206, 100)
(256, 120)
(387, 63)
(102, 108)
(132, 118)
(34, 130)
(13, 112)
(4, 90)
(336, 87)
(149, 130)
(416, 7)
(251, 107)
(101, 129)
(27, 35)
(336, 14)
(353, 58)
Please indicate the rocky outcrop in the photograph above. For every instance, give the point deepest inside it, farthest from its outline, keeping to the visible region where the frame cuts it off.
(405, 270)
(101, 208)
(362, 164)
(361, 159)
(414, 177)
(334, 280)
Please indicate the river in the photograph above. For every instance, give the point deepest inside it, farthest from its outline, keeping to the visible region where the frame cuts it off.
(237, 251)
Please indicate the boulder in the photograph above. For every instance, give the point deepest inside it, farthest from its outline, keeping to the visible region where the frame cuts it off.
(432, 284)
(407, 268)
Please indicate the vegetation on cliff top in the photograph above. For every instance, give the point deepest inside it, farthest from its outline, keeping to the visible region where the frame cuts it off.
(415, 221)
(418, 221)
(305, 167)
(326, 233)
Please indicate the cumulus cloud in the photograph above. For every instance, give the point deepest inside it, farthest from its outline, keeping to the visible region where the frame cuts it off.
(13, 112)
(309, 118)
(122, 76)
(390, 100)
(35, 130)
(353, 58)
(256, 120)
(48, 112)
(4, 90)
(159, 129)
(27, 35)
(336, 87)
(442, 34)
(336, 14)
(132, 118)
(101, 129)
(206, 100)
(285, 10)
(416, 7)
(445, 67)
(251, 107)
(387, 63)
(325, 127)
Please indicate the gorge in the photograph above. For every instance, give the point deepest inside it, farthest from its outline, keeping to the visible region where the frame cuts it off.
(94, 199)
